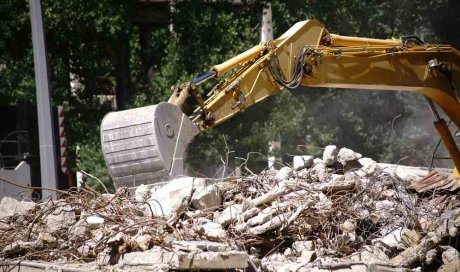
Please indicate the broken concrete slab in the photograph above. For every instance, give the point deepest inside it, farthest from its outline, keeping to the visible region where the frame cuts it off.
(62, 218)
(186, 261)
(10, 206)
(211, 230)
(200, 246)
(206, 198)
(171, 198)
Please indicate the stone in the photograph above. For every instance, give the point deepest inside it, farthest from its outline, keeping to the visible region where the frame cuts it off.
(346, 155)
(410, 238)
(318, 170)
(330, 155)
(450, 267)
(348, 226)
(369, 166)
(284, 173)
(370, 255)
(288, 252)
(393, 238)
(212, 230)
(299, 246)
(10, 206)
(431, 256)
(186, 261)
(200, 246)
(142, 193)
(143, 241)
(449, 255)
(171, 198)
(307, 256)
(301, 162)
(207, 198)
(61, 218)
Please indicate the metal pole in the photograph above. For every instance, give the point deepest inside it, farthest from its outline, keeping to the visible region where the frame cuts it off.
(48, 165)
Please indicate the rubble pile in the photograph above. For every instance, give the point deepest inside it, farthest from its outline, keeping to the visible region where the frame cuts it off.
(340, 211)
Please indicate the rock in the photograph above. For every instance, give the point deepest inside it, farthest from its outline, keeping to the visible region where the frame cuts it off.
(410, 238)
(369, 166)
(370, 255)
(288, 252)
(284, 173)
(318, 170)
(183, 260)
(212, 230)
(431, 256)
(300, 246)
(449, 255)
(345, 155)
(307, 256)
(348, 226)
(143, 241)
(200, 246)
(392, 239)
(207, 198)
(301, 162)
(10, 206)
(62, 218)
(142, 193)
(330, 155)
(171, 198)
(450, 267)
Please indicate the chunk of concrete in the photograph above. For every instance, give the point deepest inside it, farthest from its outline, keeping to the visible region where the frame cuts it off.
(212, 230)
(200, 246)
(142, 193)
(299, 246)
(369, 166)
(207, 198)
(10, 206)
(171, 198)
(307, 256)
(300, 162)
(61, 218)
(330, 155)
(449, 255)
(346, 155)
(284, 173)
(318, 170)
(186, 261)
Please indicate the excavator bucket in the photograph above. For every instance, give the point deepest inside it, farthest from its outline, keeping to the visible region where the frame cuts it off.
(146, 145)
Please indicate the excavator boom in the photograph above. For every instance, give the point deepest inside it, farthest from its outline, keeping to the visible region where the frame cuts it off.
(147, 144)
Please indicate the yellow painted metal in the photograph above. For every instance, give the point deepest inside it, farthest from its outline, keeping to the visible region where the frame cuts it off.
(449, 142)
(242, 58)
(346, 41)
(456, 173)
(339, 62)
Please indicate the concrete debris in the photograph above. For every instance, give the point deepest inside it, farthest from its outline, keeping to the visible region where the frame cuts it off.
(320, 215)
(10, 206)
(346, 155)
(301, 162)
(330, 155)
(284, 173)
(206, 198)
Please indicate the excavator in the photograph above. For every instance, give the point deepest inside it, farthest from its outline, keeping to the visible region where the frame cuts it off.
(147, 145)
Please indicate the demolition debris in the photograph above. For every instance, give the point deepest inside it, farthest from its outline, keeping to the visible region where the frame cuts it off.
(340, 212)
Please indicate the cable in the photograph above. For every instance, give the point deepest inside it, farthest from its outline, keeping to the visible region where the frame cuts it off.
(296, 80)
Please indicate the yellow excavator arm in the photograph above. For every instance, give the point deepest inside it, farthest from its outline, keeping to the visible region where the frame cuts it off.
(308, 55)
